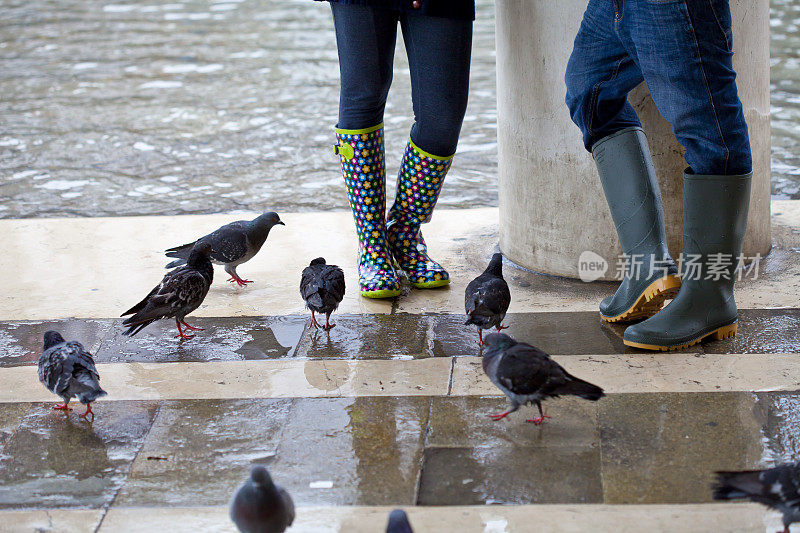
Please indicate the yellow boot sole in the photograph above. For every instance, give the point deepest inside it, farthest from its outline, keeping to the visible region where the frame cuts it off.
(431, 284)
(650, 301)
(718, 334)
(385, 293)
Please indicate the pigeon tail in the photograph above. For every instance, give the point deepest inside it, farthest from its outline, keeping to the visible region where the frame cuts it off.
(176, 263)
(135, 328)
(90, 396)
(581, 389)
(737, 485)
(181, 251)
(314, 301)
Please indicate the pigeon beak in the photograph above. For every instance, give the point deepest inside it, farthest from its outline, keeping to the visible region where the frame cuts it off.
(281, 223)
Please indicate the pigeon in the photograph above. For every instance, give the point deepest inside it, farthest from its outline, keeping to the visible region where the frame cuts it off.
(260, 506)
(180, 292)
(487, 298)
(233, 244)
(528, 375)
(398, 522)
(778, 488)
(68, 370)
(322, 287)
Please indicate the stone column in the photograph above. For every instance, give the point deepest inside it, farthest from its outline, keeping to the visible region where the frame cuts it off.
(552, 206)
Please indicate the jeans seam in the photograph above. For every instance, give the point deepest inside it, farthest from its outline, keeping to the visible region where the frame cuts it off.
(719, 24)
(596, 90)
(708, 89)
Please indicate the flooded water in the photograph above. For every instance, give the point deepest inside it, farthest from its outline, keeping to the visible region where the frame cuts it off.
(204, 106)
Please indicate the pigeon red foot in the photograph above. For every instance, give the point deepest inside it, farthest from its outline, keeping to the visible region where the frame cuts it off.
(88, 412)
(537, 420)
(182, 334)
(62, 407)
(240, 281)
(500, 416)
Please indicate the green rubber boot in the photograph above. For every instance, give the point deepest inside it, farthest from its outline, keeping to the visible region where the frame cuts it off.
(631, 189)
(361, 153)
(714, 222)
(418, 185)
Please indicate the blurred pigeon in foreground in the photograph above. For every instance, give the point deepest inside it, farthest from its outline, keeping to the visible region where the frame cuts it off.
(487, 298)
(527, 375)
(398, 522)
(179, 293)
(778, 488)
(322, 287)
(233, 244)
(260, 506)
(68, 370)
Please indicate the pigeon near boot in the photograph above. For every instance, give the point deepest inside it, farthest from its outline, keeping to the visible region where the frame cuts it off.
(322, 288)
(487, 298)
(527, 375)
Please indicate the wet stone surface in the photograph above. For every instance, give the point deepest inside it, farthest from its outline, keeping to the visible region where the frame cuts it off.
(762, 331)
(624, 449)
(664, 448)
(352, 451)
(576, 333)
(53, 460)
(22, 341)
(200, 451)
(368, 336)
(224, 339)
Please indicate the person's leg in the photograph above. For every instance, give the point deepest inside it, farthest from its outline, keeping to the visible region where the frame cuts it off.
(599, 76)
(685, 52)
(439, 52)
(365, 38)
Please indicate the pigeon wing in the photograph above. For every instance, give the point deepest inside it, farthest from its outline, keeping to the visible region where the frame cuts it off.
(288, 505)
(55, 369)
(229, 242)
(333, 280)
(524, 369)
(310, 282)
(180, 292)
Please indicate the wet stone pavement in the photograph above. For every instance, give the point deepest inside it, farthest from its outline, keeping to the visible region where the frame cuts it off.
(627, 448)
(429, 447)
(396, 336)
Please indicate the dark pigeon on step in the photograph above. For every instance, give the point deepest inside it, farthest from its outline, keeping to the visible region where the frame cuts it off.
(180, 292)
(233, 244)
(487, 298)
(778, 488)
(527, 375)
(260, 506)
(68, 370)
(322, 288)
(398, 522)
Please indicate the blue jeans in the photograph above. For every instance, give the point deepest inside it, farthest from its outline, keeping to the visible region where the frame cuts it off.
(683, 50)
(438, 50)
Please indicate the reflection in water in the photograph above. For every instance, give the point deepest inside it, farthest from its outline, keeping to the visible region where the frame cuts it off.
(58, 460)
(781, 427)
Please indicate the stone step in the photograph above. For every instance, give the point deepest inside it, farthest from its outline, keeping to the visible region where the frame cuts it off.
(643, 448)
(99, 267)
(399, 336)
(722, 517)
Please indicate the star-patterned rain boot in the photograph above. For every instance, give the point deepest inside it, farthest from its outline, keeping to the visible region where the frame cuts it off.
(418, 185)
(361, 153)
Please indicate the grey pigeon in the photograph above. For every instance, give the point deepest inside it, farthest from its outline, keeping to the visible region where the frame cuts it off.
(67, 369)
(233, 244)
(398, 522)
(487, 298)
(322, 287)
(778, 488)
(527, 375)
(260, 506)
(180, 292)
